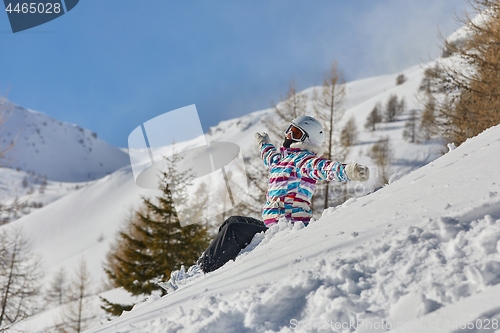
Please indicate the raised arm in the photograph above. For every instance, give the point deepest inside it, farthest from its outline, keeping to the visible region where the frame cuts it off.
(322, 169)
(268, 152)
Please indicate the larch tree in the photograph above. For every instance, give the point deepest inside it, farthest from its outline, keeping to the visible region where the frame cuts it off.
(401, 106)
(78, 313)
(471, 99)
(57, 291)
(374, 118)
(428, 127)
(381, 154)
(432, 80)
(391, 108)
(328, 106)
(349, 133)
(20, 277)
(410, 130)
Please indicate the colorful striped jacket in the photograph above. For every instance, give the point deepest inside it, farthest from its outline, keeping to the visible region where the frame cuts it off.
(292, 180)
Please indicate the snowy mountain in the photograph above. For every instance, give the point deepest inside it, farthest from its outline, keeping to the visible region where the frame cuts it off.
(53, 149)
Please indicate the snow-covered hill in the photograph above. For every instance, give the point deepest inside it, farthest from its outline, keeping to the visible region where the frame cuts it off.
(53, 149)
(424, 250)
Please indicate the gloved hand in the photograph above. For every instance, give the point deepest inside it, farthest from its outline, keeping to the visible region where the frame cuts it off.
(262, 138)
(357, 172)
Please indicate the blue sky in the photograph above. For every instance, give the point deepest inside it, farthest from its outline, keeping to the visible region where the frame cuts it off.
(110, 65)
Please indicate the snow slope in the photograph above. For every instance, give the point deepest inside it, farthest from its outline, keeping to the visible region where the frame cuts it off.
(424, 250)
(50, 148)
(22, 192)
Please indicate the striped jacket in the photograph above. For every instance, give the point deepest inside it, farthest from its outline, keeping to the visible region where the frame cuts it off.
(292, 180)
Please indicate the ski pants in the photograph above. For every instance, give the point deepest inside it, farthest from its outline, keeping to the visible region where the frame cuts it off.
(234, 235)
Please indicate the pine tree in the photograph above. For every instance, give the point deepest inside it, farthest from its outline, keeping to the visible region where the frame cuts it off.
(199, 204)
(154, 243)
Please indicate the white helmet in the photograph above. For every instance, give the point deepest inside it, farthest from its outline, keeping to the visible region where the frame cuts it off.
(312, 127)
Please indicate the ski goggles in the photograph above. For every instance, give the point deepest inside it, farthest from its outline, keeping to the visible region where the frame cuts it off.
(296, 133)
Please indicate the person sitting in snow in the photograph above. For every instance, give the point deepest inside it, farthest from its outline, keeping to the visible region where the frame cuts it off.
(294, 170)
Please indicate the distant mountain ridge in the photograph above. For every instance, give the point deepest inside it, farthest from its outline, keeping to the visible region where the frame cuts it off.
(54, 149)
